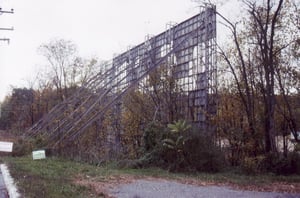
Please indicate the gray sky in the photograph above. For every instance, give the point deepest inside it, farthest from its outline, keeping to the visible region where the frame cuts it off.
(98, 27)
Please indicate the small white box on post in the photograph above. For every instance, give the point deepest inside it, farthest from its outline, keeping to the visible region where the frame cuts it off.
(40, 154)
(6, 147)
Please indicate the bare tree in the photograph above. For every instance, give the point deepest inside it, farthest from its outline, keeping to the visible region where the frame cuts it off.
(60, 55)
(257, 64)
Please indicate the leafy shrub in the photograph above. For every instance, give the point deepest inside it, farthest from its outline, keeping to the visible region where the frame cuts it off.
(179, 147)
(275, 163)
(253, 165)
(127, 163)
(173, 145)
(203, 155)
(152, 136)
(287, 165)
(21, 147)
(26, 146)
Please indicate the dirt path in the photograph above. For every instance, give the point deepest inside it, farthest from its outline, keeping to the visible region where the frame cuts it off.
(128, 186)
(162, 189)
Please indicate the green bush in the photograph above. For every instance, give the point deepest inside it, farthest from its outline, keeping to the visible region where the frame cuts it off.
(22, 147)
(203, 155)
(179, 147)
(287, 165)
(278, 163)
(152, 136)
(198, 154)
(173, 145)
(253, 165)
(25, 146)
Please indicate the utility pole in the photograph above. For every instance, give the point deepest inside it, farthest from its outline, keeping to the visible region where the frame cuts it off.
(11, 11)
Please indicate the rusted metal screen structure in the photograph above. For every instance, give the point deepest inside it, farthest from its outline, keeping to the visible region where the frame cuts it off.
(187, 49)
(193, 64)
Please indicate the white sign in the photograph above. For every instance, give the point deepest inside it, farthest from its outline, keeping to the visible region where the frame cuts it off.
(40, 154)
(6, 146)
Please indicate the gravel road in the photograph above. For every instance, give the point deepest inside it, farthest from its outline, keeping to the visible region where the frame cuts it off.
(169, 189)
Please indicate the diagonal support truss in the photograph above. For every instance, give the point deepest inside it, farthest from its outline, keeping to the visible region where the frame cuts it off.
(69, 119)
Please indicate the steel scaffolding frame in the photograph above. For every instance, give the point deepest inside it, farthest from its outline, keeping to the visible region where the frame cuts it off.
(188, 49)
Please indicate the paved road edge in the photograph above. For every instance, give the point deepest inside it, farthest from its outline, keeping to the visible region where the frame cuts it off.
(9, 182)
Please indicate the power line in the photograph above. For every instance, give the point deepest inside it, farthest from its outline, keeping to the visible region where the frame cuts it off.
(6, 12)
(5, 39)
(11, 29)
(11, 11)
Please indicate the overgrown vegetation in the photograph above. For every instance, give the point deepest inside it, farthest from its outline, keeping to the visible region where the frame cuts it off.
(180, 148)
(257, 114)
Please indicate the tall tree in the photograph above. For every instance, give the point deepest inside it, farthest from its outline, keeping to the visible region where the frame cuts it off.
(60, 55)
(265, 21)
(17, 110)
(256, 61)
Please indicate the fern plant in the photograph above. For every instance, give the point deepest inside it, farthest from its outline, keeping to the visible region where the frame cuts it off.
(176, 140)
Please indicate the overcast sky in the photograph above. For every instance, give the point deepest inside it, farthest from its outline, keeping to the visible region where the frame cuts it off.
(98, 27)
